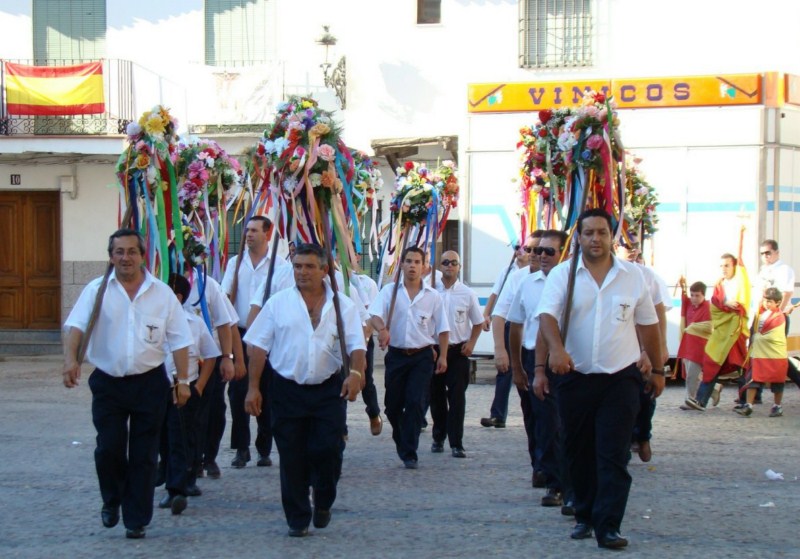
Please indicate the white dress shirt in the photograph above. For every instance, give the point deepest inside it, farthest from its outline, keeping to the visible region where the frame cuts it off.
(215, 300)
(602, 324)
(366, 286)
(416, 323)
(462, 308)
(778, 274)
(499, 280)
(203, 347)
(503, 304)
(249, 279)
(296, 351)
(130, 336)
(285, 280)
(523, 308)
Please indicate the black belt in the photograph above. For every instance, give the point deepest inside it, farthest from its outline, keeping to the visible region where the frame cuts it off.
(411, 350)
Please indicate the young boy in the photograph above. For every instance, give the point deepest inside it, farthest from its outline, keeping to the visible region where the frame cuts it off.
(768, 354)
(183, 454)
(696, 328)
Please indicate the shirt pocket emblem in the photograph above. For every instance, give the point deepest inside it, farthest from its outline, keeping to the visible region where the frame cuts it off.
(622, 309)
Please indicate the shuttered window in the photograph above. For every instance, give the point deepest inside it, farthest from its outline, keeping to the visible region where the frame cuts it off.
(66, 32)
(555, 33)
(239, 32)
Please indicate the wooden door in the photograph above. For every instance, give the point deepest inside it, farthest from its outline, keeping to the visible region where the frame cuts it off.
(30, 260)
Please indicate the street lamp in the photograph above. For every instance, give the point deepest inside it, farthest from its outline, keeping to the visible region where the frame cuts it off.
(337, 78)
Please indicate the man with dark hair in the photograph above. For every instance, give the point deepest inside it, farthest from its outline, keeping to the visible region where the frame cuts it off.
(418, 322)
(297, 329)
(243, 275)
(138, 318)
(543, 427)
(602, 368)
(448, 389)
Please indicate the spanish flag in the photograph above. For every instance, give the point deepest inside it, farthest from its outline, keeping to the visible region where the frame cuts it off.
(768, 353)
(726, 350)
(54, 90)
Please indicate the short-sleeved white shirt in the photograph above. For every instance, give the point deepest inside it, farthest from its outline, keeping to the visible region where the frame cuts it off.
(416, 323)
(366, 286)
(130, 336)
(285, 279)
(296, 350)
(462, 308)
(215, 300)
(499, 280)
(505, 299)
(523, 308)
(249, 279)
(602, 325)
(778, 274)
(203, 346)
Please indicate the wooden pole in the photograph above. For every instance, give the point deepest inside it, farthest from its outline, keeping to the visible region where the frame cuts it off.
(235, 286)
(271, 269)
(406, 233)
(505, 277)
(332, 275)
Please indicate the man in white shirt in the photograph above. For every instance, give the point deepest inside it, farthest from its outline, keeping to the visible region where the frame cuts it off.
(598, 396)
(495, 314)
(418, 322)
(544, 421)
(240, 282)
(297, 330)
(129, 385)
(449, 389)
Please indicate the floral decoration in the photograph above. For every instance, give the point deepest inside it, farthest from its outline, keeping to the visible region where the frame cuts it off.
(420, 191)
(202, 166)
(366, 183)
(641, 200)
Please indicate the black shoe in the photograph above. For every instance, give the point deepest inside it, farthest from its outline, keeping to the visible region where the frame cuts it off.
(264, 461)
(298, 532)
(493, 422)
(109, 515)
(437, 447)
(612, 540)
(193, 491)
(321, 517)
(581, 531)
(538, 480)
(568, 509)
(242, 458)
(178, 504)
(410, 464)
(161, 475)
(134, 533)
(552, 498)
(212, 470)
(458, 453)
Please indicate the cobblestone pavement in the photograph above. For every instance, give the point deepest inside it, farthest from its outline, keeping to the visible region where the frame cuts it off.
(705, 493)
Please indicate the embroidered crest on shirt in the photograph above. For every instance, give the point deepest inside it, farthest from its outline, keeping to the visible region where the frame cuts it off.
(461, 316)
(152, 330)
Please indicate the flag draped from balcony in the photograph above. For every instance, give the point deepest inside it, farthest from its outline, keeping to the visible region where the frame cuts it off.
(54, 90)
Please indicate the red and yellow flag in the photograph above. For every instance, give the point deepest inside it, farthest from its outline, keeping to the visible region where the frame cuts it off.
(54, 90)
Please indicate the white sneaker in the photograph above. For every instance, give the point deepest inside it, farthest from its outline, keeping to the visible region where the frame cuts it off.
(694, 404)
(715, 393)
(776, 411)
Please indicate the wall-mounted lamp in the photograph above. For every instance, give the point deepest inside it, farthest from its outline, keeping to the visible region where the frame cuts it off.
(337, 78)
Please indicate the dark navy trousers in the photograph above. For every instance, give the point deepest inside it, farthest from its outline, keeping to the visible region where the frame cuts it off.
(240, 419)
(308, 426)
(127, 413)
(449, 398)
(598, 413)
(407, 380)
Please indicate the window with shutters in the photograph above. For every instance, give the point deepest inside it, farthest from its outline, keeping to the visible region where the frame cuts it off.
(239, 32)
(555, 33)
(67, 32)
(429, 11)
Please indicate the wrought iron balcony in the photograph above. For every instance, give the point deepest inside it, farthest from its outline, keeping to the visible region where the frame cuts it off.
(119, 106)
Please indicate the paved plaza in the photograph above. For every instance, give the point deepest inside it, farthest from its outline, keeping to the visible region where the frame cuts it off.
(705, 493)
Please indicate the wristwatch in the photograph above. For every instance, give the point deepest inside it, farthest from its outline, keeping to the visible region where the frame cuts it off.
(183, 381)
(228, 355)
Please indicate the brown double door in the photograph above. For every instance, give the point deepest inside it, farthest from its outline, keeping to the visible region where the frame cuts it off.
(30, 260)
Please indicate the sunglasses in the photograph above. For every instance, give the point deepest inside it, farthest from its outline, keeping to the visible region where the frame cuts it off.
(549, 251)
(449, 262)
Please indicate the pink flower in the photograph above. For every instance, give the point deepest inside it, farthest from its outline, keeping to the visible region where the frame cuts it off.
(326, 152)
(594, 141)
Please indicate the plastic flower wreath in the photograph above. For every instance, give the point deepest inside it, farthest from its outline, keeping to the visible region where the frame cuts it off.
(641, 200)
(204, 167)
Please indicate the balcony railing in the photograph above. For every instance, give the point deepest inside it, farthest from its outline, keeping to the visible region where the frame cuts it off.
(119, 106)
